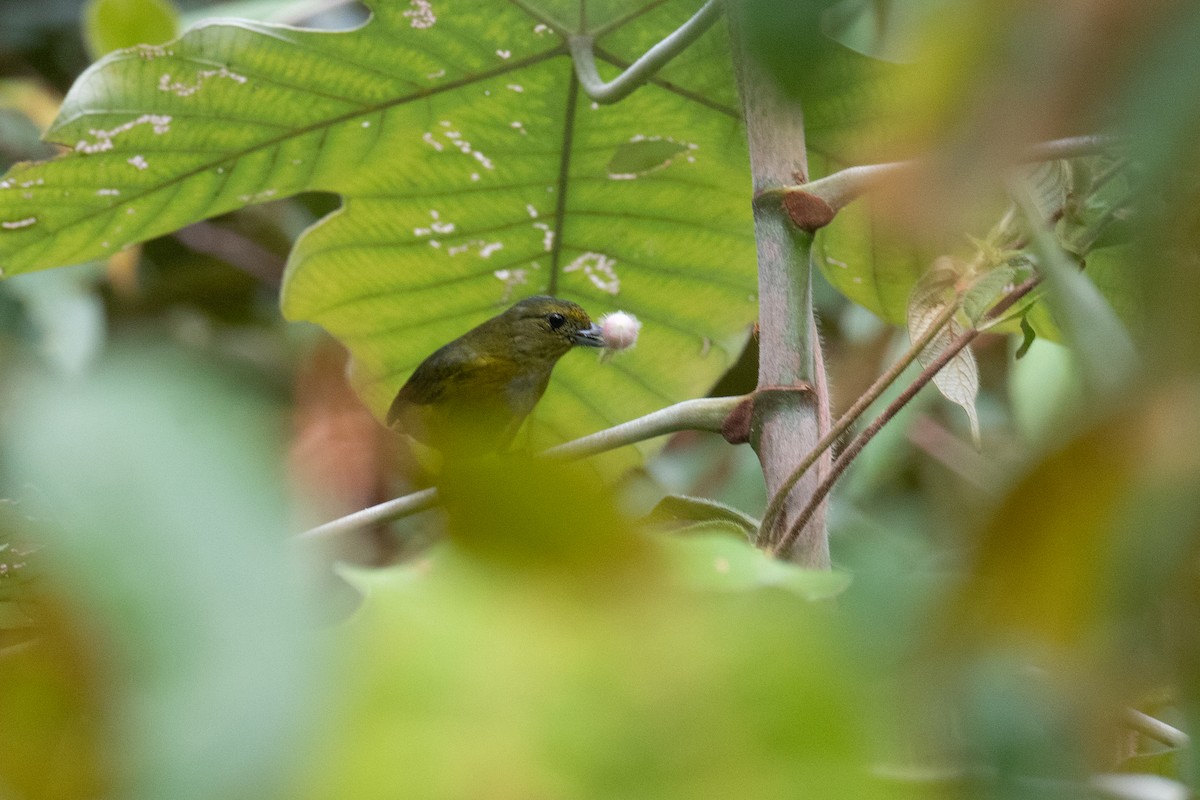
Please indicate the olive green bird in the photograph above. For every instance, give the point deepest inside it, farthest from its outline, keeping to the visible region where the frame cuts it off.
(472, 394)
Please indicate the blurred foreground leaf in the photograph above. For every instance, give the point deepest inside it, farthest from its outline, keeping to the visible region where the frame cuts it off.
(1081, 549)
(581, 666)
(52, 706)
(66, 313)
(716, 556)
(155, 487)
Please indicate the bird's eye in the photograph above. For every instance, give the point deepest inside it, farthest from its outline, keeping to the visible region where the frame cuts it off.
(556, 321)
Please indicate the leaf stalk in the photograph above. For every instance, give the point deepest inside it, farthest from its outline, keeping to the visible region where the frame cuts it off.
(639, 72)
(703, 414)
(843, 187)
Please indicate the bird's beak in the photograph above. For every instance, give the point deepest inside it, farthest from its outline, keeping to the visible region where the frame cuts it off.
(589, 337)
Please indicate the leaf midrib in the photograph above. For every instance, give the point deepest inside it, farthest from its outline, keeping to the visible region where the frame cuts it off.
(563, 183)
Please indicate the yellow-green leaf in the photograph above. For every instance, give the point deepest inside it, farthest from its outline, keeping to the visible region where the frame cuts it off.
(473, 172)
(112, 24)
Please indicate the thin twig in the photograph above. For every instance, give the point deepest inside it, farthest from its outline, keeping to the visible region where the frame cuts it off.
(1156, 729)
(1071, 147)
(644, 68)
(705, 414)
(771, 515)
(394, 509)
(855, 447)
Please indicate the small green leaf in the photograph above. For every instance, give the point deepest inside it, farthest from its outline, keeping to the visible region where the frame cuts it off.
(674, 511)
(958, 380)
(986, 290)
(1049, 184)
(1107, 354)
(709, 559)
(935, 289)
(116, 24)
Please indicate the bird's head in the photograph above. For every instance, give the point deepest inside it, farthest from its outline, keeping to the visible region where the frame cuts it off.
(543, 328)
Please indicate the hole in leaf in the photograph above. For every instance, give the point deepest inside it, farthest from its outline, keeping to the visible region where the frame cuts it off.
(637, 158)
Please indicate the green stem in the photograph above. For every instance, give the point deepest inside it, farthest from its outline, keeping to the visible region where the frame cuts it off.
(704, 414)
(640, 71)
(783, 423)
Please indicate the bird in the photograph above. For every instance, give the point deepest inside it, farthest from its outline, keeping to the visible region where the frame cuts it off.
(471, 395)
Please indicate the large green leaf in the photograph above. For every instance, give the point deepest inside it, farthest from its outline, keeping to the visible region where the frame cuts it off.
(473, 171)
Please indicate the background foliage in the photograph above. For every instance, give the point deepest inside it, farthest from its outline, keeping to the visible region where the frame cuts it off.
(1002, 615)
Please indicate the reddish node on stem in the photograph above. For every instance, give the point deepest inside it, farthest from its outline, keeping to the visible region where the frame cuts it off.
(736, 427)
(809, 212)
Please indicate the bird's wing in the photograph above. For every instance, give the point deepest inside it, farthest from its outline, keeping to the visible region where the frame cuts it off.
(444, 375)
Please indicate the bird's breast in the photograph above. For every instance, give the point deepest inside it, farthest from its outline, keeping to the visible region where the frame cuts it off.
(524, 390)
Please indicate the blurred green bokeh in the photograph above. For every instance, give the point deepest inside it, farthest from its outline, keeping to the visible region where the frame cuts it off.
(153, 493)
(113, 24)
